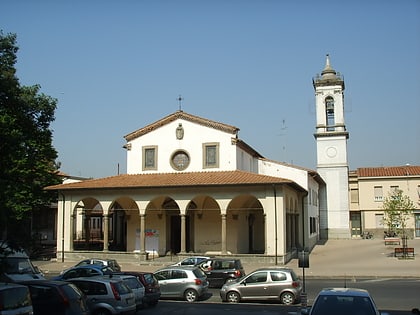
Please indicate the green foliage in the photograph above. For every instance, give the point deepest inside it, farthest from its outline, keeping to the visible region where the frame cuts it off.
(398, 210)
(27, 157)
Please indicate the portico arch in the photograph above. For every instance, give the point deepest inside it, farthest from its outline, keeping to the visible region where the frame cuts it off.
(246, 226)
(123, 219)
(87, 225)
(163, 223)
(204, 228)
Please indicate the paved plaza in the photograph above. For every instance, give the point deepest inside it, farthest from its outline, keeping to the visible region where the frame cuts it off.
(333, 258)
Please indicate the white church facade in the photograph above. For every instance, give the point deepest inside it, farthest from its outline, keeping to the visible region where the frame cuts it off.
(193, 186)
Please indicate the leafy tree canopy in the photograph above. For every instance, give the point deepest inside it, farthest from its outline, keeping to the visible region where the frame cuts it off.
(398, 209)
(27, 156)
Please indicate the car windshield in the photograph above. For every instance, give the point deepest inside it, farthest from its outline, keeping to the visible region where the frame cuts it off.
(332, 305)
(132, 283)
(199, 273)
(121, 288)
(72, 291)
(18, 265)
(13, 298)
(150, 278)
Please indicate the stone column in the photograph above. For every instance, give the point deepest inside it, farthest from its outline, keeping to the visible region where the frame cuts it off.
(224, 250)
(265, 232)
(142, 234)
(71, 232)
(183, 234)
(106, 232)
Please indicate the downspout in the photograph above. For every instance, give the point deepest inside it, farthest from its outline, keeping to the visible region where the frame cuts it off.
(62, 227)
(303, 238)
(275, 223)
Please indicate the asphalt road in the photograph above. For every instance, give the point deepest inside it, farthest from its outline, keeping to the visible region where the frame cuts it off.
(203, 308)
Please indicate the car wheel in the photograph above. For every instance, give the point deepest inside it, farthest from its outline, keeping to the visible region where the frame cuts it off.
(233, 297)
(287, 298)
(190, 295)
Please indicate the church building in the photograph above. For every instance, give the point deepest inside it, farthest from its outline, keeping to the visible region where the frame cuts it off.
(194, 187)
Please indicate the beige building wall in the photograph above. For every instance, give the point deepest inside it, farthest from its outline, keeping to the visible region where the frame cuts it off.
(367, 194)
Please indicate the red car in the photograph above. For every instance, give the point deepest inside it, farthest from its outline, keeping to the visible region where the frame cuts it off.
(150, 283)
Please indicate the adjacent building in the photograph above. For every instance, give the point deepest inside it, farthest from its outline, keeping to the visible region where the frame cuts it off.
(369, 186)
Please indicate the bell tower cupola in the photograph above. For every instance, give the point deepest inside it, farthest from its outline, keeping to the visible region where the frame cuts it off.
(331, 140)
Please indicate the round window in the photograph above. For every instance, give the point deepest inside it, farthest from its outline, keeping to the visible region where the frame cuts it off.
(180, 160)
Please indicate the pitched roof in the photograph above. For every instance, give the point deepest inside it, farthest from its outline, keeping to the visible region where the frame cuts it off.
(181, 115)
(389, 171)
(166, 180)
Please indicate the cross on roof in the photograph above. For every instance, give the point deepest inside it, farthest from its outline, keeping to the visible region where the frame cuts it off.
(179, 99)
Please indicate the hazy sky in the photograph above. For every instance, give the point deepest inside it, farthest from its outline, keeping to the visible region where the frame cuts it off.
(116, 66)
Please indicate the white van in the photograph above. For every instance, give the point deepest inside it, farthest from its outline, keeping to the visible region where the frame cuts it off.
(15, 299)
(15, 265)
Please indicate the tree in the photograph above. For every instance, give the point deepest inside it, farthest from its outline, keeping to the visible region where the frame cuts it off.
(398, 210)
(27, 156)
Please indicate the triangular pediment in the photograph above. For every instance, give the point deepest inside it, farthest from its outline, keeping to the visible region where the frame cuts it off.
(185, 116)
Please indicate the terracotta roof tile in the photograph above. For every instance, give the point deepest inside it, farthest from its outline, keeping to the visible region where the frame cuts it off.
(390, 171)
(175, 180)
(181, 115)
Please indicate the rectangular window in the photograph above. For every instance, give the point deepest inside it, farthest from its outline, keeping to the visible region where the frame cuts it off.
(210, 155)
(354, 195)
(149, 158)
(378, 195)
(394, 189)
(312, 225)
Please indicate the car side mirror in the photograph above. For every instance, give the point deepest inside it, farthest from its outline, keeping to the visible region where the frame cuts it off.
(305, 311)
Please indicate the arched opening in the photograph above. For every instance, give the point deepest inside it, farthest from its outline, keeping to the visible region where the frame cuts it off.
(246, 226)
(88, 225)
(204, 225)
(329, 112)
(117, 228)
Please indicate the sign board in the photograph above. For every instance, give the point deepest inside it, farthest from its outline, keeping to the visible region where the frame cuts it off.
(303, 259)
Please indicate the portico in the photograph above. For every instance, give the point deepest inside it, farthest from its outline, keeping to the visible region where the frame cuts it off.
(256, 214)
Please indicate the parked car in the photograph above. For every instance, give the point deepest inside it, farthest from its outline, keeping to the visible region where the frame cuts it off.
(111, 263)
(191, 261)
(16, 264)
(281, 284)
(106, 295)
(150, 283)
(222, 270)
(56, 297)
(187, 282)
(343, 301)
(83, 271)
(134, 284)
(15, 299)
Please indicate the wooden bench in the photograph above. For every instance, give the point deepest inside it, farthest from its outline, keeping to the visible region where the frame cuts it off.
(392, 240)
(402, 252)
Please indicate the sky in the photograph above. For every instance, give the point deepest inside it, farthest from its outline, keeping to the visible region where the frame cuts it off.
(117, 66)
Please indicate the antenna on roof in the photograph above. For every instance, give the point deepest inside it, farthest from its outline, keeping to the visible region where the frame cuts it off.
(179, 99)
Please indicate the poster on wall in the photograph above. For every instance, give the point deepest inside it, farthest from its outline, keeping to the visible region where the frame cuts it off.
(152, 241)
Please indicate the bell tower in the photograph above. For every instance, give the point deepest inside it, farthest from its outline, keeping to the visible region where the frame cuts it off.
(331, 141)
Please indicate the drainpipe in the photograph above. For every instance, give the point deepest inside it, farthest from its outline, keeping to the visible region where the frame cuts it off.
(62, 228)
(275, 223)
